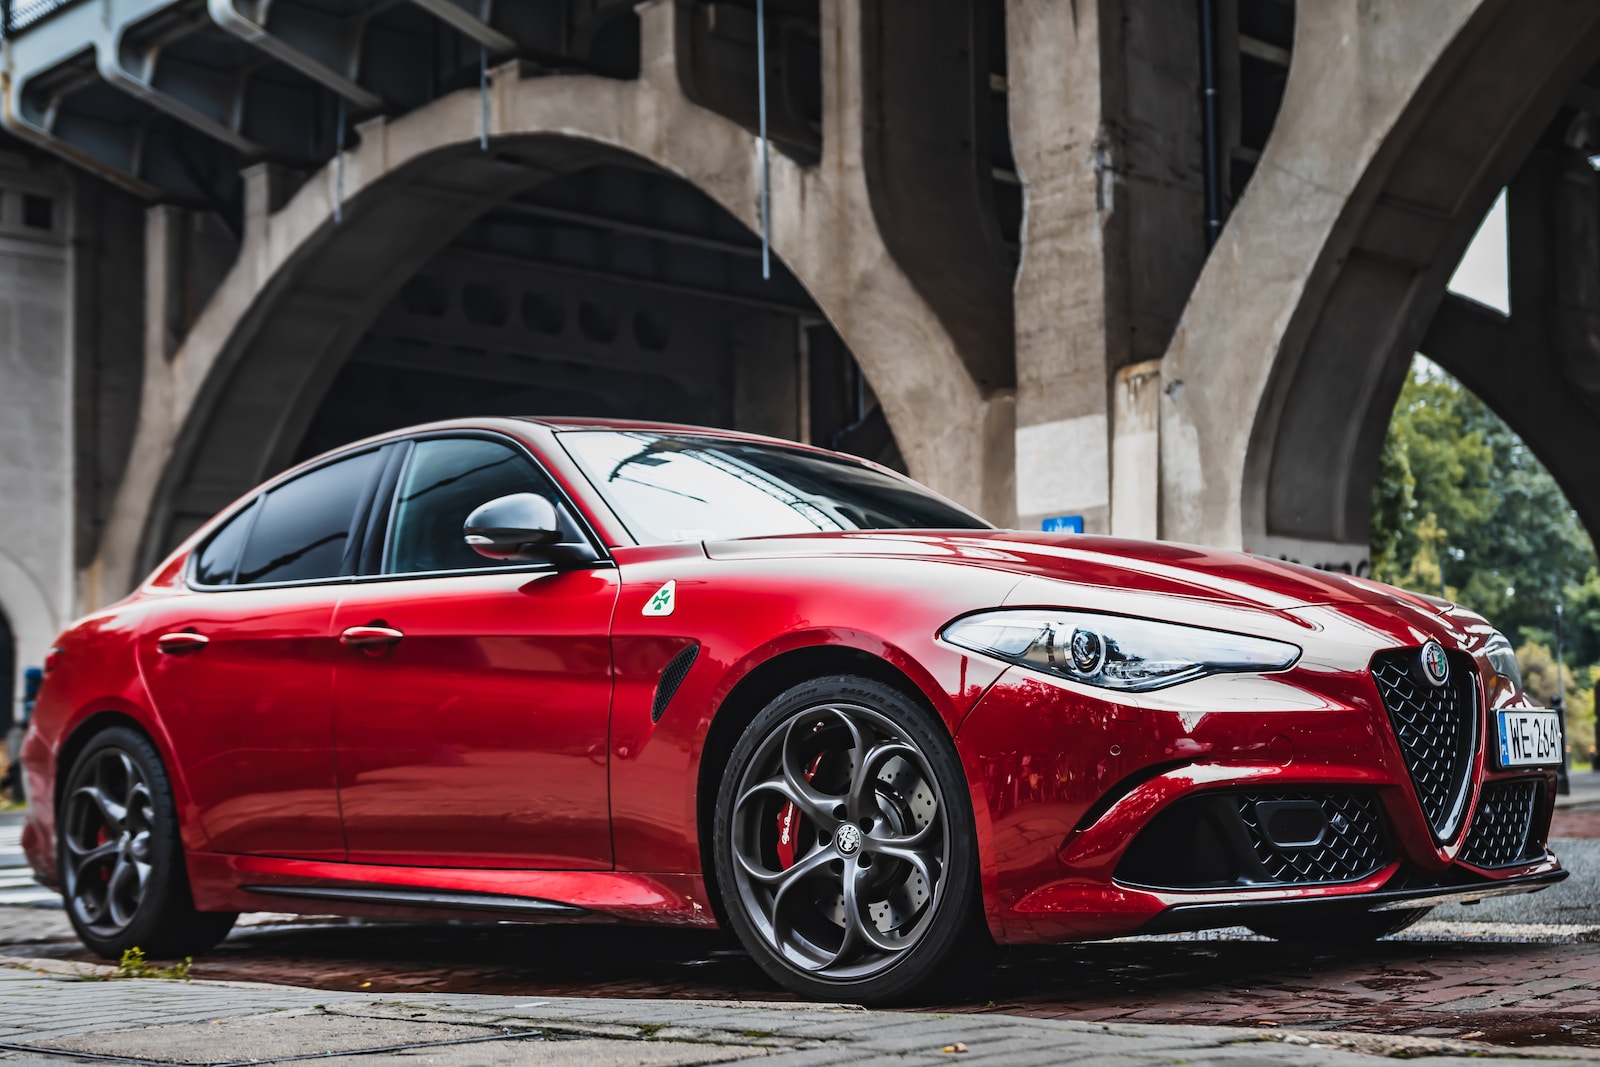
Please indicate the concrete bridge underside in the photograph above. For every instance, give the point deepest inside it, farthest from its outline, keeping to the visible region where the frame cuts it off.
(1009, 239)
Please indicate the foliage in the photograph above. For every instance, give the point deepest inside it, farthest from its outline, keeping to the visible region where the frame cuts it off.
(1538, 665)
(134, 965)
(1464, 508)
(1457, 488)
(1581, 720)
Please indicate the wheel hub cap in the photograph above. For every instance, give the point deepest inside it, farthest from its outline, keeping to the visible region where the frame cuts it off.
(849, 840)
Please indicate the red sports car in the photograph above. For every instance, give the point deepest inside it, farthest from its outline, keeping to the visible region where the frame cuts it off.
(564, 670)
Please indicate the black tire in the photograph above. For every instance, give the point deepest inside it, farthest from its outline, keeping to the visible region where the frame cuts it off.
(123, 879)
(894, 847)
(1349, 930)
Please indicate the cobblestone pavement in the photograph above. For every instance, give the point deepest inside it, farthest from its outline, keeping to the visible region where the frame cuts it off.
(58, 1018)
(1521, 971)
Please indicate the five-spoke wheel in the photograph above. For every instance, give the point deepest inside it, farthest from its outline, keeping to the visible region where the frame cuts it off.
(106, 821)
(845, 853)
(122, 870)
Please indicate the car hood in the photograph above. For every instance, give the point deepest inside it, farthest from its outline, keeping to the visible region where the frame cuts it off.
(1160, 567)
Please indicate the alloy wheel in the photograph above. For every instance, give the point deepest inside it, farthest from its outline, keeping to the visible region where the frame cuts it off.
(106, 836)
(840, 842)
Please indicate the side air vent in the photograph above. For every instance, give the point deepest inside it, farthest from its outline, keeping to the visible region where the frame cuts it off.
(1437, 727)
(672, 676)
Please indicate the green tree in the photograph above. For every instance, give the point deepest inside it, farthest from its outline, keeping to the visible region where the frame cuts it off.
(1432, 464)
(1538, 665)
(1462, 502)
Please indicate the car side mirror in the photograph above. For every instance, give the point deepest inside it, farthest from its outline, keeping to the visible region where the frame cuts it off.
(518, 526)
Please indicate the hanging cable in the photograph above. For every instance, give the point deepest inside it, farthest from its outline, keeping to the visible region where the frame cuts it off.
(338, 168)
(766, 176)
(1210, 121)
(483, 97)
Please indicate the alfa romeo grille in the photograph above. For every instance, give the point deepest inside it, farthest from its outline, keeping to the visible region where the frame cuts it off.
(1437, 729)
(1353, 846)
(1503, 831)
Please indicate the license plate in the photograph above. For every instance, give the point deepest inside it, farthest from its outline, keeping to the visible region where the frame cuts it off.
(1529, 738)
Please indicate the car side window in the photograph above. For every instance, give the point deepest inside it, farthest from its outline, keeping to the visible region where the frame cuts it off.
(445, 480)
(305, 525)
(220, 557)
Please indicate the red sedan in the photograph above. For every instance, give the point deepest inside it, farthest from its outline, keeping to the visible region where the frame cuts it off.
(566, 670)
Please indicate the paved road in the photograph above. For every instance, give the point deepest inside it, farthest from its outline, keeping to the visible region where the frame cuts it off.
(1521, 971)
(55, 1018)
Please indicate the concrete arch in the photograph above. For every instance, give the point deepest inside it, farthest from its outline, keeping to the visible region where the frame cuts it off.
(1399, 124)
(33, 619)
(221, 410)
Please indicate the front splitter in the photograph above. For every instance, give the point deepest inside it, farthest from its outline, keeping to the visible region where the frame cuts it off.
(1186, 917)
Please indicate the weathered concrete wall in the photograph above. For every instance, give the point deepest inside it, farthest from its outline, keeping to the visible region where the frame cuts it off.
(1236, 398)
(1539, 367)
(36, 446)
(1399, 124)
(229, 404)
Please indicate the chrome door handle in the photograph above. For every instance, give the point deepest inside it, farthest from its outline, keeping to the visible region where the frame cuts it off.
(181, 642)
(372, 639)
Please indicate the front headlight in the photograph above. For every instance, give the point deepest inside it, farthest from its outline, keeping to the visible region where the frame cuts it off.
(1503, 658)
(1114, 651)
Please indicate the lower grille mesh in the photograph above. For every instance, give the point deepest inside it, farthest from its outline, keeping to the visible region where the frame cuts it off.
(1353, 847)
(1503, 831)
(1250, 840)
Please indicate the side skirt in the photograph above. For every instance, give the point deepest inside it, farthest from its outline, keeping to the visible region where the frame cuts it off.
(229, 882)
(531, 907)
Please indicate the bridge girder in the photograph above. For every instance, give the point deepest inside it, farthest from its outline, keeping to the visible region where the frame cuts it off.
(168, 98)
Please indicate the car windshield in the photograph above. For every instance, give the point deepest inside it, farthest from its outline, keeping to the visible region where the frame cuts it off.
(671, 487)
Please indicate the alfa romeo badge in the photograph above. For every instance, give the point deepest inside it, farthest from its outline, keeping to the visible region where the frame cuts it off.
(1435, 664)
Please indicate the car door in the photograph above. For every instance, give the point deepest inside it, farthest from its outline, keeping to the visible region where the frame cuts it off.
(473, 698)
(240, 664)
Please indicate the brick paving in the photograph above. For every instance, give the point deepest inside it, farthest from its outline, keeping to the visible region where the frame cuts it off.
(51, 1018)
(1522, 972)
(1511, 992)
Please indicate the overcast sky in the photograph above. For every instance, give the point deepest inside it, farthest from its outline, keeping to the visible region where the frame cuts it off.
(1481, 276)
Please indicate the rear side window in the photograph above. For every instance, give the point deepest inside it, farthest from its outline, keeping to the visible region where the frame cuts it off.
(445, 481)
(305, 525)
(217, 561)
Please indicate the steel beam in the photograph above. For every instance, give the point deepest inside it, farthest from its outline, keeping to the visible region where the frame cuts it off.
(469, 25)
(240, 18)
(72, 37)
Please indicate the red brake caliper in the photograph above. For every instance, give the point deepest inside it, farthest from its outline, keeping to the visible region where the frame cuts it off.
(789, 823)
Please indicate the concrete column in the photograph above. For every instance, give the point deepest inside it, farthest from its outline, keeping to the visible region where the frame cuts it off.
(1136, 451)
(1105, 131)
(36, 441)
(1067, 324)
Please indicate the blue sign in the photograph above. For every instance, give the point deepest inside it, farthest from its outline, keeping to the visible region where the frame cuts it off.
(1063, 524)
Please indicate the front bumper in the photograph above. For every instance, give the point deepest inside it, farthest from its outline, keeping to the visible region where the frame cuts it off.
(1064, 781)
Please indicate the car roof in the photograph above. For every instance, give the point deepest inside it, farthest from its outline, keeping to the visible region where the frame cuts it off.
(558, 424)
